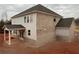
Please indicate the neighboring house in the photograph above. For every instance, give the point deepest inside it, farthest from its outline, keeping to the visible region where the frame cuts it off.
(65, 29)
(38, 24)
(77, 25)
(76, 30)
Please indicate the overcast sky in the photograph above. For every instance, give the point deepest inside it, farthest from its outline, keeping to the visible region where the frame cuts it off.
(66, 10)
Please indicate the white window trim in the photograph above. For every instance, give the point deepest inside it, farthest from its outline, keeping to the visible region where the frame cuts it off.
(28, 18)
(25, 19)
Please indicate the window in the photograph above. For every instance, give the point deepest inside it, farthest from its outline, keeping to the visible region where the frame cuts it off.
(28, 19)
(25, 19)
(31, 19)
(29, 32)
(54, 20)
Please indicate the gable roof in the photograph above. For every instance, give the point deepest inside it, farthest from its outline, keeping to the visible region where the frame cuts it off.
(65, 22)
(14, 27)
(35, 9)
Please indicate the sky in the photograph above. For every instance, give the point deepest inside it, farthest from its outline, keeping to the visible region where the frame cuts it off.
(65, 10)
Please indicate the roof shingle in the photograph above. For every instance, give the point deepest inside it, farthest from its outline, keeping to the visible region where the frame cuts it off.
(65, 22)
(14, 26)
(36, 8)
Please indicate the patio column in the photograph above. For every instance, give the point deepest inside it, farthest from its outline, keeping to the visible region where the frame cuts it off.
(4, 35)
(9, 42)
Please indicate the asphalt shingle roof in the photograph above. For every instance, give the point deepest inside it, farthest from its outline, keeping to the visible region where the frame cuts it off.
(14, 26)
(65, 22)
(36, 8)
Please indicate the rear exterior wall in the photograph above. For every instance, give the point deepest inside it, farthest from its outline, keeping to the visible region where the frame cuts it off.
(45, 28)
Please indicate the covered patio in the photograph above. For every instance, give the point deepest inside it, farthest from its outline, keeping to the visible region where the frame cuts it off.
(13, 31)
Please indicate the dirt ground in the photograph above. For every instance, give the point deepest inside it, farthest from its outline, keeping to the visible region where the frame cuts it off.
(56, 47)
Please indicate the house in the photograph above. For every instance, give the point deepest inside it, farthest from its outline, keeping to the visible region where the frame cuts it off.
(65, 29)
(76, 29)
(77, 25)
(36, 23)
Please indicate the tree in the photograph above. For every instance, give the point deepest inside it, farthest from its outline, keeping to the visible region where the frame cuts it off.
(1, 25)
(7, 22)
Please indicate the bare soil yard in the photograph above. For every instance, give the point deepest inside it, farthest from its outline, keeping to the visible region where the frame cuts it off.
(56, 47)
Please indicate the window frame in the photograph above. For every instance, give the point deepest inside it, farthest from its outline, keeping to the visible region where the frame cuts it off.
(31, 19)
(28, 19)
(24, 19)
(54, 20)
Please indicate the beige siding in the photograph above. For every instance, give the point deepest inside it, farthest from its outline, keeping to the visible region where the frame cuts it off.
(57, 20)
(45, 28)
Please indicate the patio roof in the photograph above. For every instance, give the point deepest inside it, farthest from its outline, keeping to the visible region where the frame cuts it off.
(14, 27)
